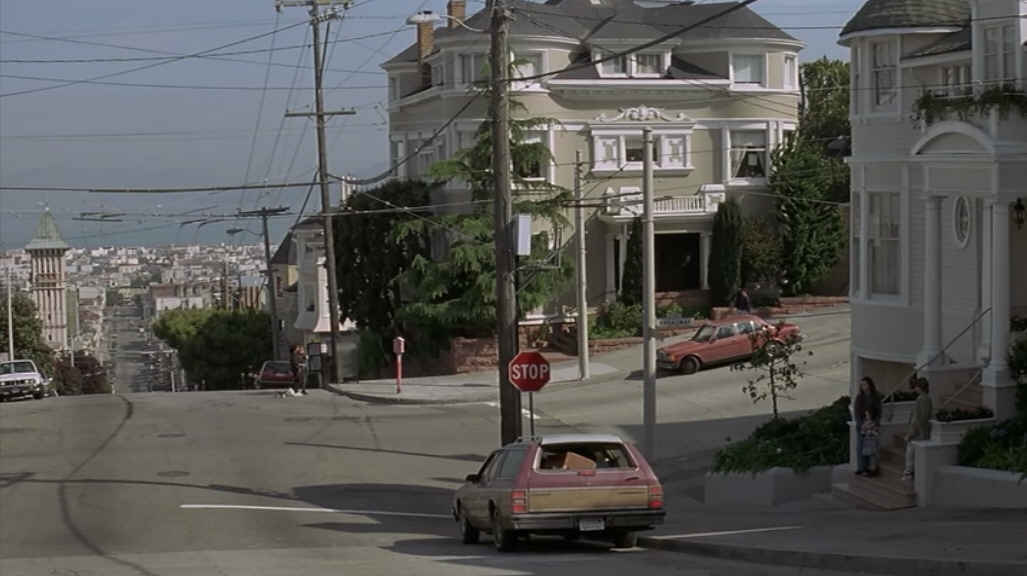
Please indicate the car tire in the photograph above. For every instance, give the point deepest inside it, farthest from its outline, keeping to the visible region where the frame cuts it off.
(625, 539)
(468, 533)
(38, 395)
(690, 365)
(504, 539)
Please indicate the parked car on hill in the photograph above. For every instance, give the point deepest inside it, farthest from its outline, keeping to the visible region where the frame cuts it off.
(21, 378)
(570, 485)
(276, 374)
(727, 340)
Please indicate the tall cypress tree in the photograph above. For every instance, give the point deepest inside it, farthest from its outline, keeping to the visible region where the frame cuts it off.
(631, 276)
(726, 253)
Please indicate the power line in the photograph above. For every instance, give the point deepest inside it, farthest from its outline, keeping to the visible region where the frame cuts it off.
(260, 106)
(152, 65)
(68, 82)
(151, 190)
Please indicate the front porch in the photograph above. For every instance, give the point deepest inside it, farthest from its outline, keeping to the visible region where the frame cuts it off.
(683, 232)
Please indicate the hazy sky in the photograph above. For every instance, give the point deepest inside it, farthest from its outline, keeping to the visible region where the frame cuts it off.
(190, 135)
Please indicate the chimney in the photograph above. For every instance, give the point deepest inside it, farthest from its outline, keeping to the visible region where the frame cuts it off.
(457, 10)
(425, 45)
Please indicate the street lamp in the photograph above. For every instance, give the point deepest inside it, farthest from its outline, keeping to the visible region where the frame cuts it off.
(427, 16)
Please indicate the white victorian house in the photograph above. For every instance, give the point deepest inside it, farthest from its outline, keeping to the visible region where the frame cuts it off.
(939, 246)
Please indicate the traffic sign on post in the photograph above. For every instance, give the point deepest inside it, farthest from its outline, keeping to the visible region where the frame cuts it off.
(529, 372)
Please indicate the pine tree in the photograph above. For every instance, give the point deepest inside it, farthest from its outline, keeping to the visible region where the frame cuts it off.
(724, 269)
(631, 276)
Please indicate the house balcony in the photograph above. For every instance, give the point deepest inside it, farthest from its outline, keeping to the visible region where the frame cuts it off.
(623, 207)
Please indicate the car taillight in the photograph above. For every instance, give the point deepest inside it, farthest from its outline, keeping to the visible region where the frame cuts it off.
(518, 501)
(655, 496)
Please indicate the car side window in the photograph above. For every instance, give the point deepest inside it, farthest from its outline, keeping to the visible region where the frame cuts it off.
(511, 463)
(746, 327)
(726, 331)
(485, 473)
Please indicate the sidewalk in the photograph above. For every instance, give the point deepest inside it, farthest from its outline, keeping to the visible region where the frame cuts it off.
(821, 533)
(453, 389)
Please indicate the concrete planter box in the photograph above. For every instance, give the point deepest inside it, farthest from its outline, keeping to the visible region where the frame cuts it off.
(897, 412)
(768, 488)
(964, 487)
(948, 432)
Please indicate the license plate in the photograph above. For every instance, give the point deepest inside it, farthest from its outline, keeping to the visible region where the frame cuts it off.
(597, 525)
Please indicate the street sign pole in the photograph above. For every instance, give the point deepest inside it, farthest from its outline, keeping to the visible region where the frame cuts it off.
(531, 412)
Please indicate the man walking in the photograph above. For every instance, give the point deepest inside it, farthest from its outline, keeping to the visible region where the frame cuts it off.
(299, 367)
(920, 425)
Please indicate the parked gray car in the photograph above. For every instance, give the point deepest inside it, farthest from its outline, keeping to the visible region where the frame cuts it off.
(21, 378)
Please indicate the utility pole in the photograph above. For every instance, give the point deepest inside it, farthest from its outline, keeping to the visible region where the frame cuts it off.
(264, 214)
(584, 371)
(322, 163)
(648, 298)
(10, 318)
(506, 292)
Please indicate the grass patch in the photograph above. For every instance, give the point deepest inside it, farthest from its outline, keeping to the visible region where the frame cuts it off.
(817, 439)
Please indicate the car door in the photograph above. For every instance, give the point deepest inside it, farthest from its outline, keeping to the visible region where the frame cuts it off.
(724, 347)
(476, 499)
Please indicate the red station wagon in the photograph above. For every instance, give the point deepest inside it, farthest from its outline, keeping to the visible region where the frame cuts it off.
(570, 485)
(726, 340)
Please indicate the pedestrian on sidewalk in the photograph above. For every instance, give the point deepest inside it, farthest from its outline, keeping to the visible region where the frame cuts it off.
(920, 425)
(299, 367)
(867, 417)
(742, 302)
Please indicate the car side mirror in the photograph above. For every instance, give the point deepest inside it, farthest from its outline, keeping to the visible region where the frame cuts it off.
(472, 478)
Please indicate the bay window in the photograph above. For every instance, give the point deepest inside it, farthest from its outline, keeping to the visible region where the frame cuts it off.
(790, 72)
(855, 244)
(525, 66)
(748, 154)
(955, 80)
(634, 150)
(649, 64)
(883, 67)
(999, 53)
(472, 68)
(607, 153)
(748, 68)
(884, 242)
(626, 152)
(672, 152)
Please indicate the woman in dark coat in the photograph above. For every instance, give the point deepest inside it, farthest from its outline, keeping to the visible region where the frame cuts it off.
(866, 413)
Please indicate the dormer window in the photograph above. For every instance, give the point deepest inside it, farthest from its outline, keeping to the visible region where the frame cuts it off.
(749, 69)
(614, 67)
(643, 65)
(649, 64)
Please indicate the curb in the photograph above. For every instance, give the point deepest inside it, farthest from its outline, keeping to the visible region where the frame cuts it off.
(376, 399)
(910, 566)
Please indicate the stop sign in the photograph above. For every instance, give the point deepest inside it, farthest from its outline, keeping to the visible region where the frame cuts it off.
(529, 371)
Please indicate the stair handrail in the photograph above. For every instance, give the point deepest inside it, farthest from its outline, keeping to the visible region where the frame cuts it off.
(931, 360)
(962, 389)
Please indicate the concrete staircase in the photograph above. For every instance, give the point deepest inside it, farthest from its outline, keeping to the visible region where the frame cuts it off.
(887, 490)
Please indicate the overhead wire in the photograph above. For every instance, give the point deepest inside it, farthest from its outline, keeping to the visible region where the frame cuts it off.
(260, 109)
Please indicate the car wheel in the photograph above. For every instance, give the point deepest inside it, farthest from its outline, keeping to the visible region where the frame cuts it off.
(690, 365)
(468, 533)
(38, 395)
(625, 539)
(504, 539)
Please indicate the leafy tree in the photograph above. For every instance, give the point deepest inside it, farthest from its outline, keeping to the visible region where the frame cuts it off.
(28, 332)
(453, 294)
(777, 370)
(94, 374)
(631, 276)
(370, 258)
(217, 346)
(67, 379)
(824, 120)
(726, 252)
(761, 251)
(811, 226)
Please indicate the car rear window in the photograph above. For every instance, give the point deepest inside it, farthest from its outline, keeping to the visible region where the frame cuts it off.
(585, 456)
(512, 463)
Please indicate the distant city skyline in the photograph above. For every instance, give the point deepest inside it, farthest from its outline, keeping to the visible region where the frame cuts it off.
(195, 135)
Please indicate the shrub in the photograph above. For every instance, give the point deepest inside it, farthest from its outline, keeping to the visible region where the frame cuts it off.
(617, 320)
(1002, 446)
(1018, 358)
(725, 252)
(672, 311)
(631, 276)
(761, 251)
(817, 439)
(767, 297)
(958, 414)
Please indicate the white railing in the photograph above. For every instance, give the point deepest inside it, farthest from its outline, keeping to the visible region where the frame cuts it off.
(629, 206)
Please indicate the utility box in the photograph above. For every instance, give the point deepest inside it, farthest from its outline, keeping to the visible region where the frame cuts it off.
(522, 234)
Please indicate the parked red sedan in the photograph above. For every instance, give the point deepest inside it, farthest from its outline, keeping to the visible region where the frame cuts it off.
(276, 374)
(727, 340)
(571, 485)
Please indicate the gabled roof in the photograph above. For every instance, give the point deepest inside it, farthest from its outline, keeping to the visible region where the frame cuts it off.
(877, 14)
(591, 22)
(47, 236)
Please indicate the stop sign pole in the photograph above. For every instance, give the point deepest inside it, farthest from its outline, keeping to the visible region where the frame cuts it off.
(529, 372)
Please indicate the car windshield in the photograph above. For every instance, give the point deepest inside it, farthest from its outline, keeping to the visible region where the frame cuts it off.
(584, 456)
(704, 333)
(16, 367)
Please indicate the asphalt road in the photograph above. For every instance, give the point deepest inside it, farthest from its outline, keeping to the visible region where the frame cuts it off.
(244, 483)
